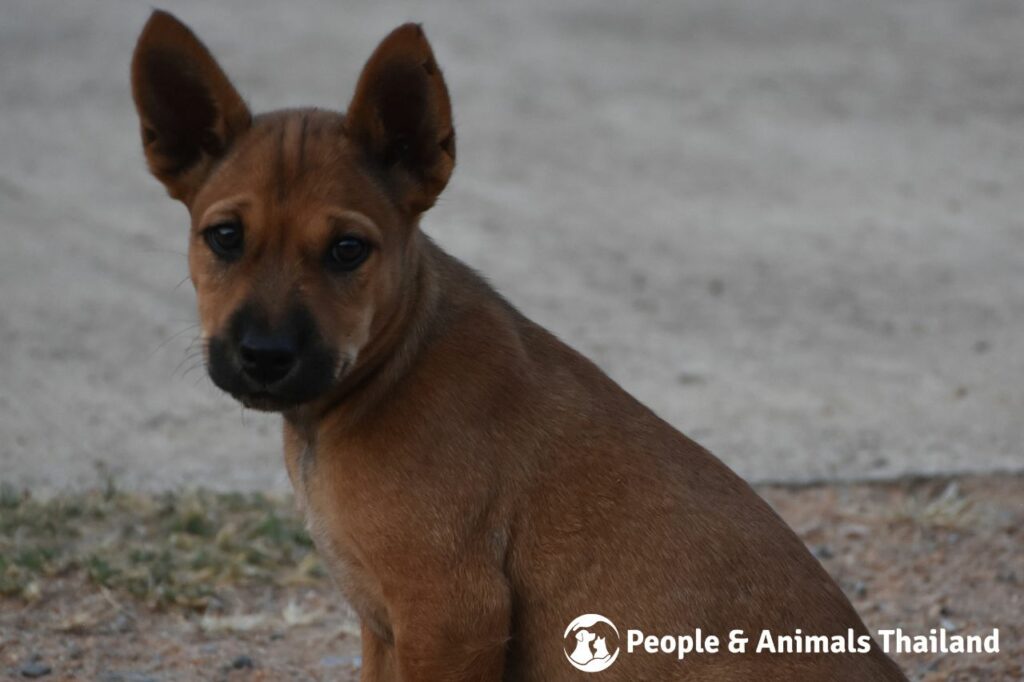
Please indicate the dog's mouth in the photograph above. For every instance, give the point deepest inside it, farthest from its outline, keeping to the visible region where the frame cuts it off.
(265, 401)
(305, 389)
(294, 394)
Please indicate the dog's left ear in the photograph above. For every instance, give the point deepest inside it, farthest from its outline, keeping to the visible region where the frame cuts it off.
(189, 111)
(401, 117)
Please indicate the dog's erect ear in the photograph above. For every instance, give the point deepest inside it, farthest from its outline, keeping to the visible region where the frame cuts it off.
(401, 117)
(190, 112)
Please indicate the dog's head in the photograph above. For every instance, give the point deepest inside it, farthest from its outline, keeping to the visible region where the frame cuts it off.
(303, 221)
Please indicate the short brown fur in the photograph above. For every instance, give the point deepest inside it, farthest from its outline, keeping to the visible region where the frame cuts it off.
(473, 483)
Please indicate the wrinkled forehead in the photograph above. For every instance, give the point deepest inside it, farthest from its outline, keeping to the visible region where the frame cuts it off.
(296, 160)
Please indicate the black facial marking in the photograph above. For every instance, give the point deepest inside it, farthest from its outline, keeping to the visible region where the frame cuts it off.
(272, 366)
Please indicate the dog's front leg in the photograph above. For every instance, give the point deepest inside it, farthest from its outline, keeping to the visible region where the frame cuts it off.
(378, 658)
(453, 627)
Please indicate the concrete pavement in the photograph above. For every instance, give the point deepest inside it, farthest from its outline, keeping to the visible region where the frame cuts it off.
(795, 229)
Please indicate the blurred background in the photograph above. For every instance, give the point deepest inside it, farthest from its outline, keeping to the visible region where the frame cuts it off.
(794, 228)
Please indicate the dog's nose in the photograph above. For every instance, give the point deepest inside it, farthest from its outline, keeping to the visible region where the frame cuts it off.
(267, 358)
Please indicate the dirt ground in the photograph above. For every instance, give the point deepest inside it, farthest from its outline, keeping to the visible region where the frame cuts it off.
(916, 554)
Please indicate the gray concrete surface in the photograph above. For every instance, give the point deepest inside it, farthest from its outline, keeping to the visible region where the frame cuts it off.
(794, 228)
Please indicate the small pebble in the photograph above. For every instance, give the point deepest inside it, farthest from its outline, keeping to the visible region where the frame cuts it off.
(340, 661)
(1007, 577)
(35, 669)
(243, 661)
(122, 624)
(688, 378)
(859, 589)
(822, 552)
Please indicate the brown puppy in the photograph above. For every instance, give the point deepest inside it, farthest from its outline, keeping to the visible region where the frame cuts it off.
(474, 484)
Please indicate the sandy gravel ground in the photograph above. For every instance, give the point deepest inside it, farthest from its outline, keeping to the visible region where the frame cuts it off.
(796, 228)
(916, 555)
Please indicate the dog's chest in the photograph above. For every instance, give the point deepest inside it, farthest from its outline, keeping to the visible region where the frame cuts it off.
(333, 530)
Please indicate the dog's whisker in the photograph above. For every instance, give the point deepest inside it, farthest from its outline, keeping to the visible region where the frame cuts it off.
(189, 359)
(174, 336)
(192, 369)
(194, 351)
(198, 342)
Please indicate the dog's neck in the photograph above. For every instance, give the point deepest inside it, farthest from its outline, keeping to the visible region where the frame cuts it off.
(392, 351)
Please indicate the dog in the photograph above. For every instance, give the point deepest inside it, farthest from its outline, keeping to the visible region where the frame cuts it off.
(472, 482)
(582, 652)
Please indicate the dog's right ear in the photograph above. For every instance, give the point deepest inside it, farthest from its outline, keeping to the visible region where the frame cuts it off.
(189, 111)
(401, 116)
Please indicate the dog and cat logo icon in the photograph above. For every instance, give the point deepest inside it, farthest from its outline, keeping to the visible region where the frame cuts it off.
(591, 643)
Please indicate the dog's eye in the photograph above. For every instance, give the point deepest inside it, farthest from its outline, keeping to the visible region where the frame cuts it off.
(225, 239)
(348, 253)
